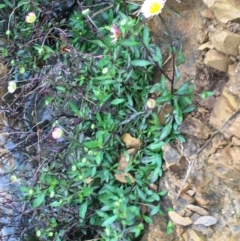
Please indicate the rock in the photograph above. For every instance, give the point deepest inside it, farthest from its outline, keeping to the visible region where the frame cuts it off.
(209, 3)
(206, 221)
(233, 83)
(187, 197)
(235, 141)
(170, 155)
(226, 42)
(225, 165)
(197, 209)
(224, 108)
(190, 192)
(195, 127)
(176, 218)
(217, 60)
(207, 13)
(197, 236)
(202, 37)
(206, 45)
(225, 11)
(206, 200)
(179, 230)
(185, 236)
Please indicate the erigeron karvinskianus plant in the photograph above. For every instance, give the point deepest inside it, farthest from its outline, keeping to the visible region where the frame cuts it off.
(101, 92)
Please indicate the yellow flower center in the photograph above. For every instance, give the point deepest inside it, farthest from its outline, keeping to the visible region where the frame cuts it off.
(155, 8)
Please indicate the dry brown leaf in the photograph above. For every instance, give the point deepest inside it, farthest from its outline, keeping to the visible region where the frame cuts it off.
(88, 180)
(121, 177)
(130, 141)
(123, 161)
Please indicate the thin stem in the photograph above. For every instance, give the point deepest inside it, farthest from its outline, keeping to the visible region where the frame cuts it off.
(159, 68)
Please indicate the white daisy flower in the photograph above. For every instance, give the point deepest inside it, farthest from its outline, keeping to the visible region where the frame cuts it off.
(31, 17)
(152, 7)
(57, 133)
(12, 86)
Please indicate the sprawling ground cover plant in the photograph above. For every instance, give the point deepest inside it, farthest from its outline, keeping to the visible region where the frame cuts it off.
(82, 83)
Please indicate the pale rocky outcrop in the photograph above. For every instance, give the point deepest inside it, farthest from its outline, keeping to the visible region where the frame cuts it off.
(217, 60)
(226, 42)
(225, 165)
(224, 10)
(224, 108)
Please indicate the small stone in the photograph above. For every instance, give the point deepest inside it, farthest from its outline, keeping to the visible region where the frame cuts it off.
(217, 60)
(226, 42)
(176, 218)
(206, 221)
(207, 13)
(188, 198)
(190, 192)
(196, 236)
(197, 209)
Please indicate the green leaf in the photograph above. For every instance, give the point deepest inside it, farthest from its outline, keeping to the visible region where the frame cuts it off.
(180, 59)
(177, 112)
(130, 43)
(182, 90)
(99, 43)
(206, 94)
(166, 130)
(2, 6)
(190, 108)
(109, 221)
(74, 108)
(38, 201)
(156, 146)
(8, 3)
(156, 88)
(147, 219)
(163, 193)
(83, 211)
(61, 88)
(155, 210)
(146, 35)
(91, 144)
(141, 62)
(164, 98)
(155, 175)
(117, 101)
